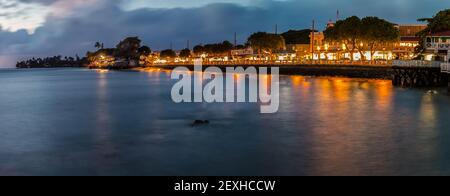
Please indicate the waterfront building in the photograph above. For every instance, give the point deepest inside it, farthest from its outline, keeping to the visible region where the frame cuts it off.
(409, 40)
(437, 46)
(104, 60)
(101, 58)
(403, 49)
(242, 52)
(335, 51)
(301, 51)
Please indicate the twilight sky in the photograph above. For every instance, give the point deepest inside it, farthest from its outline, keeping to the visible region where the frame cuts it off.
(69, 27)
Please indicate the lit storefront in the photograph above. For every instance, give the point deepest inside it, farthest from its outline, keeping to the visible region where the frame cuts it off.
(403, 49)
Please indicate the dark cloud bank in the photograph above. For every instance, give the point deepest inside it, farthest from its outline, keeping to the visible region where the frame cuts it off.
(108, 23)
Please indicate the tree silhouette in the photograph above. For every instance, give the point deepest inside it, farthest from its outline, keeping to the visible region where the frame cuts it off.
(297, 37)
(144, 50)
(185, 53)
(376, 33)
(169, 53)
(440, 22)
(128, 48)
(98, 45)
(266, 42)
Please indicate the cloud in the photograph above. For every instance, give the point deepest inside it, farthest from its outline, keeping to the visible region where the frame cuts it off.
(72, 28)
(45, 2)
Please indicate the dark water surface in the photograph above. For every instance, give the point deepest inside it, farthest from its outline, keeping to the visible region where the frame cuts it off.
(84, 122)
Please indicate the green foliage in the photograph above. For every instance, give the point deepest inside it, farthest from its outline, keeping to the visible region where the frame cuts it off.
(214, 49)
(55, 61)
(199, 49)
(240, 47)
(144, 50)
(98, 45)
(168, 54)
(268, 42)
(128, 48)
(331, 34)
(372, 32)
(439, 23)
(376, 33)
(92, 56)
(185, 53)
(297, 37)
(378, 30)
(350, 29)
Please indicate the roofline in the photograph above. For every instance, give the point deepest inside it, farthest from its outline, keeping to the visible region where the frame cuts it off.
(414, 25)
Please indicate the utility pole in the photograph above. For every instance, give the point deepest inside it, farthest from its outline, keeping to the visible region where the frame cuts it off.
(276, 29)
(171, 45)
(312, 40)
(337, 15)
(235, 40)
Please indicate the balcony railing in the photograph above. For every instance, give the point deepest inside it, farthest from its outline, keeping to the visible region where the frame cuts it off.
(286, 62)
(416, 63)
(437, 46)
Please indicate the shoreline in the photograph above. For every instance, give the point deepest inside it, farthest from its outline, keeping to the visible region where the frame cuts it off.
(432, 78)
(351, 71)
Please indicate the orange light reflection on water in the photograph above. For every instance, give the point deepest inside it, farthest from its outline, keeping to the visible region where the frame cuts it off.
(340, 107)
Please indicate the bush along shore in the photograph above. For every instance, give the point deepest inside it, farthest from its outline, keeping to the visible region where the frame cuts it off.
(53, 62)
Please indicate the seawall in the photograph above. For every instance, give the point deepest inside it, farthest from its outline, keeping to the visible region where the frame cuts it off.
(352, 71)
(419, 77)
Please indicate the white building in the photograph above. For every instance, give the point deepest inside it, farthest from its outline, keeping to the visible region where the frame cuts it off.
(437, 46)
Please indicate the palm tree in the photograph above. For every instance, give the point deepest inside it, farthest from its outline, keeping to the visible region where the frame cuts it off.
(98, 45)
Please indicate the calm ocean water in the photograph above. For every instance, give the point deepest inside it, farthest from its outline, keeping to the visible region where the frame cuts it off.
(84, 122)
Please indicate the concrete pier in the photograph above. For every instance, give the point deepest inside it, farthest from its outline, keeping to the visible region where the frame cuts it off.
(409, 74)
(419, 74)
(419, 77)
(351, 71)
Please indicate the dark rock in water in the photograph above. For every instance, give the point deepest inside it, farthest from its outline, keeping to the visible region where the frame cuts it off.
(200, 122)
(432, 92)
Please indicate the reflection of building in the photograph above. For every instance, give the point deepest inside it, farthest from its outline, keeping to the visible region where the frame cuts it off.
(438, 45)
